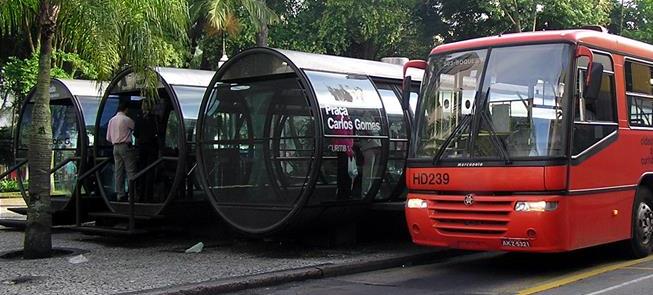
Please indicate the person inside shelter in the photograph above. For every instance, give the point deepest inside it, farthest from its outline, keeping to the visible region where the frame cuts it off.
(119, 134)
(147, 144)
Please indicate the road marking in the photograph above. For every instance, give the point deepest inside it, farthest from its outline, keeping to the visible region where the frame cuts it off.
(620, 285)
(583, 275)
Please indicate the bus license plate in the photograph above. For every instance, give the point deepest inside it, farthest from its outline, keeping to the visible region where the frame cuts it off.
(515, 243)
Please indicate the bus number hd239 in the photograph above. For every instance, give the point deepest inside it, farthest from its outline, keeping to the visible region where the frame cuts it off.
(431, 178)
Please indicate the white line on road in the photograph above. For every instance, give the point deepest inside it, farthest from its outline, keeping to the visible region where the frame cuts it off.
(620, 285)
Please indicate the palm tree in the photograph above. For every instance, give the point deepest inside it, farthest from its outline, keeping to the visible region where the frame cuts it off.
(216, 16)
(108, 33)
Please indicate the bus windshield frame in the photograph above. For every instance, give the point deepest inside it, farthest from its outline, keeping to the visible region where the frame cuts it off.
(509, 103)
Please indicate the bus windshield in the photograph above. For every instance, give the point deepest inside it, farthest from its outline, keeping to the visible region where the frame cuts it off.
(502, 103)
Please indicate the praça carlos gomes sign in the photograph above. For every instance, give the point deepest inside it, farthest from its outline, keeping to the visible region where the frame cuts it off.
(338, 119)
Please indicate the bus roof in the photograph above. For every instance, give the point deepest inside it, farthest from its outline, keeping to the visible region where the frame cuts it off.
(590, 38)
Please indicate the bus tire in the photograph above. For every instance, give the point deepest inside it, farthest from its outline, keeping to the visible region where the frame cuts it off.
(640, 244)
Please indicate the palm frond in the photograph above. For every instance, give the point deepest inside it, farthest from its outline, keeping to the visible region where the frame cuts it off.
(14, 13)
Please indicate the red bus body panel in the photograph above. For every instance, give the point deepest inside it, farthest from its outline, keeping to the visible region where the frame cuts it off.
(594, 193)
(576, 223)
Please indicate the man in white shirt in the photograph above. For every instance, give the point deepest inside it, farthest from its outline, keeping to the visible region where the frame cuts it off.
(119, 133)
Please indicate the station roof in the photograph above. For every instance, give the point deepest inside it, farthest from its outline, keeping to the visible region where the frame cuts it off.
(587, 37)
(187, 77)
(84, 87)
(339, 64)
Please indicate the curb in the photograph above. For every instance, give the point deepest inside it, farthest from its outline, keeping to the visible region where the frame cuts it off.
(239, 283)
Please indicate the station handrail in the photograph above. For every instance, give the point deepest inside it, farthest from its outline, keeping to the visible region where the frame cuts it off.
(192, 169)
(63, 163)
(78, 212)
(132, 197)
(13, 168)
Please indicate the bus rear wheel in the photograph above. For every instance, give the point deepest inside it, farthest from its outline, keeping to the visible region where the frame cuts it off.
(642, 224)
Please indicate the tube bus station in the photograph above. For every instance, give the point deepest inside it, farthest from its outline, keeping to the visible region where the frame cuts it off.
(274, 141)
(74, 106)
(163, 138)
(289, 139)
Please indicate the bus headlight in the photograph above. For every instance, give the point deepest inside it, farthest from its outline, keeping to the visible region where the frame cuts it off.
(416, 203)
(540, 206)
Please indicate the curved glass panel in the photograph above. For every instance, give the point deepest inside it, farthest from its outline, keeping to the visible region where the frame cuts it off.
(350, 106)
(257, 65)
(155, 134)
(190, 99)
(89, 106)
(258, 148)
(65, 136)
(398, 145)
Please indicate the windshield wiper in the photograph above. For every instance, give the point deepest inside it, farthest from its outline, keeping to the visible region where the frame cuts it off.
(497, 141)
(463, 124)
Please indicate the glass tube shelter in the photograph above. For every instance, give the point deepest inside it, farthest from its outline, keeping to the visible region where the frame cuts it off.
(289, 139)
(163, 138)
(73, 106)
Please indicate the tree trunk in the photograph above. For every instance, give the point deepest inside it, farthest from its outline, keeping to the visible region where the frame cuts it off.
(262, 36)
(38, 239)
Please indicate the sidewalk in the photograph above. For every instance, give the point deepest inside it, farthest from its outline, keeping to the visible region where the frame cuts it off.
(8, 203)
(157, 265)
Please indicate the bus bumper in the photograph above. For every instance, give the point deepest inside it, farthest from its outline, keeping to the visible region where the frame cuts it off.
(489, 223)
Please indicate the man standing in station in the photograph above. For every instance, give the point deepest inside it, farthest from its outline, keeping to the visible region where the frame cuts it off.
(119, 133)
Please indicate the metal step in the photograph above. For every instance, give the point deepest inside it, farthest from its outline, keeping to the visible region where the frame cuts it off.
(123, 216)
(14, 223)
(109, 231)
(19, 210)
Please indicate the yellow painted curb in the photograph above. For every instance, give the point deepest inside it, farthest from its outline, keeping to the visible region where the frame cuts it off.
(584, 275)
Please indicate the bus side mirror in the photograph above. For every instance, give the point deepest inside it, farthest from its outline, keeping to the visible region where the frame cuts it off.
(591, 84)
(406, 85)
(593, 87)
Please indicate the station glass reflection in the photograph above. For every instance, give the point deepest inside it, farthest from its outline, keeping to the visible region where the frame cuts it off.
(354, 131)
(259, 141)
(65, 133)
(398, 133)
(159, 137)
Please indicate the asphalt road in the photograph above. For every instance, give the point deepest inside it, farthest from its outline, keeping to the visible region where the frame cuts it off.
(592, 271)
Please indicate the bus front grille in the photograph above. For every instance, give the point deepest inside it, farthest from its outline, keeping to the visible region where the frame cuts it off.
(487, 217)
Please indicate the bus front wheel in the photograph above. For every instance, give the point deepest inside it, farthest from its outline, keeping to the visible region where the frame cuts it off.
(642, 224)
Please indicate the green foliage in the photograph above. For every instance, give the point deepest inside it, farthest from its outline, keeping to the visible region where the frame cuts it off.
(8, 185)
(211, 20)
(19, 75)
(364, 29)
(96, 38)
(227, 16)
(637, 19)
(475, 18)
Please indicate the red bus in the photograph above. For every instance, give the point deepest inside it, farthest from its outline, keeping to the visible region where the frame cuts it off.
(538, 142)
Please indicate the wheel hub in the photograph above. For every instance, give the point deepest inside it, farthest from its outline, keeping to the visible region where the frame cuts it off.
(645, 222)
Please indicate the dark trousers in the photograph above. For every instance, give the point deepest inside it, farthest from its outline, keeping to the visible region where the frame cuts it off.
(342, 176)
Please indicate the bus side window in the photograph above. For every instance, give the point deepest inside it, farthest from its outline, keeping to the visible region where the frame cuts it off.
(639, 94)
(599, 117)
